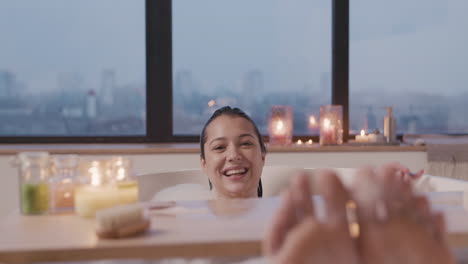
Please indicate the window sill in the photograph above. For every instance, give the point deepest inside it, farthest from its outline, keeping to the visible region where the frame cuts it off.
(170, 148)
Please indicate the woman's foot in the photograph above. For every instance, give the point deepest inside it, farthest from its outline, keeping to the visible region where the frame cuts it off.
(297, 236)
(396, 226)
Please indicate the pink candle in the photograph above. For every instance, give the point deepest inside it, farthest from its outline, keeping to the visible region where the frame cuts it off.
(279, 132)
(280, 125)
(331, 129)
(328, 133)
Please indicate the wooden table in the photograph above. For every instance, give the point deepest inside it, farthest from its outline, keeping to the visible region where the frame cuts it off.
(191, 229)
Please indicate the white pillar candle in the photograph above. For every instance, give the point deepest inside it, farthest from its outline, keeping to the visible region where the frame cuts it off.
(362, 138)
(376, 138)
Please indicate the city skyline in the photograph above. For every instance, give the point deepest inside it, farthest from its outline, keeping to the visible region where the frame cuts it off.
(434, 114)
(404, 54)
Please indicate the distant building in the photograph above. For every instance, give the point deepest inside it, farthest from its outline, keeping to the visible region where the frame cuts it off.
(371, 120)
(183, 93)
(107, 87)
(72, 112)
(69, 82)
(91, 104)
(325, 82)
(7, 83)
(252, 87)
(183, 83)
(253, 82)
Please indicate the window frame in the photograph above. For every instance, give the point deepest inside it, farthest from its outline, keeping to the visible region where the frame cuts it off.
(159, 84)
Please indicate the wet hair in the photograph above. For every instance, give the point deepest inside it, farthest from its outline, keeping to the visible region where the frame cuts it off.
(233, 112)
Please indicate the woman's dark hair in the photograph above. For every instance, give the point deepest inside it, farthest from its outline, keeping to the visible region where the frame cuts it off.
(234, 112)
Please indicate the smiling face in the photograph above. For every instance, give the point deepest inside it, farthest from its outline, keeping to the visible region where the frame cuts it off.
(233, 157)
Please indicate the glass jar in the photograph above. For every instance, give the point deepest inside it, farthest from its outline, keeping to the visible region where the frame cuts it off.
(331, 125)
(122, 176)
(280, 125)
(62, 183)
(104, 184)
(34, 170)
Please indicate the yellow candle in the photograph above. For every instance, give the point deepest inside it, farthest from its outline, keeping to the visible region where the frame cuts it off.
(100, 194)
(127, 192)
(89, 199)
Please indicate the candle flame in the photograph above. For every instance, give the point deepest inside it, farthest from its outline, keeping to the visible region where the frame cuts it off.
(299, 142)
(95, 174)
(279, 125)
(326, 123)
(312, 121)
(118, 162)
(363, 133)
(279, 128)
(120, 174)
(309, 142)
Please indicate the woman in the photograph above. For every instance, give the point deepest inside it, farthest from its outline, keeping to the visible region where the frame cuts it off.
(232, 154)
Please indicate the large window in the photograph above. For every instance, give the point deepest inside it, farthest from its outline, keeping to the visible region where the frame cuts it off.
(410, 55)
(155, 70)
(72, 68)
(250, 54)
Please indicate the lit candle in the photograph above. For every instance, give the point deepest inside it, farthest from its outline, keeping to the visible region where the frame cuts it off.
(89, 199)
(127, 192)
(63, 194)
(280, 125)
(310, 142)
(62, 183)
(362, 138)
(122, 173)
(326, 123)
(100, 195)
(279, 132)
(278, 128)
(299, 143)
(328, 133)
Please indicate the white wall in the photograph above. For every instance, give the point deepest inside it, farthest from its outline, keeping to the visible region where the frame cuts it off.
(9, 196)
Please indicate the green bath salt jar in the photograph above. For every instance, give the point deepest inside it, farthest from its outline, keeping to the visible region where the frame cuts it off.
(34, 198)
(34, 171)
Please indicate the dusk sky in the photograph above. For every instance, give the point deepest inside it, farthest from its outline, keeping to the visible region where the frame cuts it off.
(399, 45)
(42, 38)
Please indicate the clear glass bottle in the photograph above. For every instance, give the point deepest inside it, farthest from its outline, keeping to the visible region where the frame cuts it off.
(62, 183)
(389, 126)
(34, 170)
